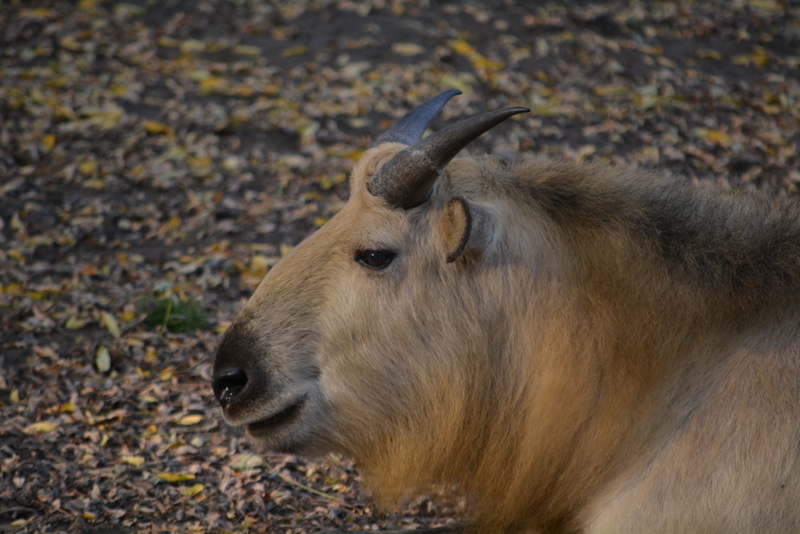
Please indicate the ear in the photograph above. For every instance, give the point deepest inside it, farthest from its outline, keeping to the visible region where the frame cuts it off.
(455, 225)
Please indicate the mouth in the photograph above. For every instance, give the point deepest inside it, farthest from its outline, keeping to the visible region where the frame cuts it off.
(282, 418)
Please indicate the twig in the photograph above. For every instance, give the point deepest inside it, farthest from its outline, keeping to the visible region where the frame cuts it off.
(312, 490)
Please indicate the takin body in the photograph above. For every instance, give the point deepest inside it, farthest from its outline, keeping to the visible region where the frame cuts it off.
(578, 348)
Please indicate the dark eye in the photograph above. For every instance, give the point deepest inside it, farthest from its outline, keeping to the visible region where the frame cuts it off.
(375, 259)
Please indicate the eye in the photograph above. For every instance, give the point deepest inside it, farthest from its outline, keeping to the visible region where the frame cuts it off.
(375, 259)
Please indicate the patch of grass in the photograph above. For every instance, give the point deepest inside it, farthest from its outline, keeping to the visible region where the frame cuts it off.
(174, 314)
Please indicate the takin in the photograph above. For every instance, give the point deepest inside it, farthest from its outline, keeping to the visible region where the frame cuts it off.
(577, 347)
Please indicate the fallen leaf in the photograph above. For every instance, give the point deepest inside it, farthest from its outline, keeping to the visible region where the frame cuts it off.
(155, 127)
(42, 427)
(407, 49)
(247, 50)
(188, 420)
(103, 360)
(175, 477)
(110, 323)
(73, 323)
(193, 490)
(136, 461)
(294, 51)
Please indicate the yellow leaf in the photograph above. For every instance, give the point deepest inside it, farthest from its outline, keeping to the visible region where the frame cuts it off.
(136, 461)
(462, 47)
(15, 254)
(70, 43)
(73, 323)
(328, 181)
(110, 113)
(48, 142)
(42, 427)
(166, 374)
(407, 49)
(231, 163)
(715, 136)
(706, 53)
(198, 75)
(463, 81)
(89, 516)
(260, 263)
(87, 167)
(319, 222)
(247, 50)
(155, 127)
(110, 323)
(607, 90)
(188, 420)
(150, 355)
(40, 13)
(168, 42)
(479, 61)
(240, 462)
(11, 289)
(175, 477)
(103, 360)
(93, 183)
(191, 46)
(294, 51)
(67, 407)
(14, 395)
(213, 84)
(193, 490)
(719, 138)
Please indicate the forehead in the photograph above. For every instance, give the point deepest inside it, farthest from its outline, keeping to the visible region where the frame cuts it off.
(367, 220)
(369, 163)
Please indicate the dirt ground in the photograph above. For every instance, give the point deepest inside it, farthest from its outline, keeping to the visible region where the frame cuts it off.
(172, 151)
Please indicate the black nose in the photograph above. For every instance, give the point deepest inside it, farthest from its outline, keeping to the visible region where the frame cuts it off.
(228, 384)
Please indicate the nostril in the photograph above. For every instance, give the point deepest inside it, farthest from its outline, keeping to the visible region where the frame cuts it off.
(227, 384)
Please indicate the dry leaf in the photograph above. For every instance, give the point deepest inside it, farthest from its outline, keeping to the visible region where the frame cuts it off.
(193, 490)
(110, 323)
(136, 461)
(192, 419)
(103, 360)
(41, 428)
(175, 477)
(407, 49)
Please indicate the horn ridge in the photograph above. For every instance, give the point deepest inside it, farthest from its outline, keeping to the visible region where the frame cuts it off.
(406, 180)
(411, 126)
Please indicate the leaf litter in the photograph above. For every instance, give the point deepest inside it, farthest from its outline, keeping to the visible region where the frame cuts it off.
(158, 158)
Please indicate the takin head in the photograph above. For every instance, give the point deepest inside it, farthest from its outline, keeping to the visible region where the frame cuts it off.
(370, 337)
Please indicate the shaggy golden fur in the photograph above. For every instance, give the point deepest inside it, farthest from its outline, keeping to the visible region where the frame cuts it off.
(605, 351)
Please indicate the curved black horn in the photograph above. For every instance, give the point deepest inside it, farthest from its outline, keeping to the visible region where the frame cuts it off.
(405, 181)
(409, 129)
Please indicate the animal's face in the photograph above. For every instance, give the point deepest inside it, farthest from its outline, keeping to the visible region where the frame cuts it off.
(346, 330)
(335, 322)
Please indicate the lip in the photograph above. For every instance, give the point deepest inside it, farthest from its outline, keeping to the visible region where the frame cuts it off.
(285, 416)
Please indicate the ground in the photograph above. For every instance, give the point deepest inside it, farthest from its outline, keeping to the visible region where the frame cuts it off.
(171, 151)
